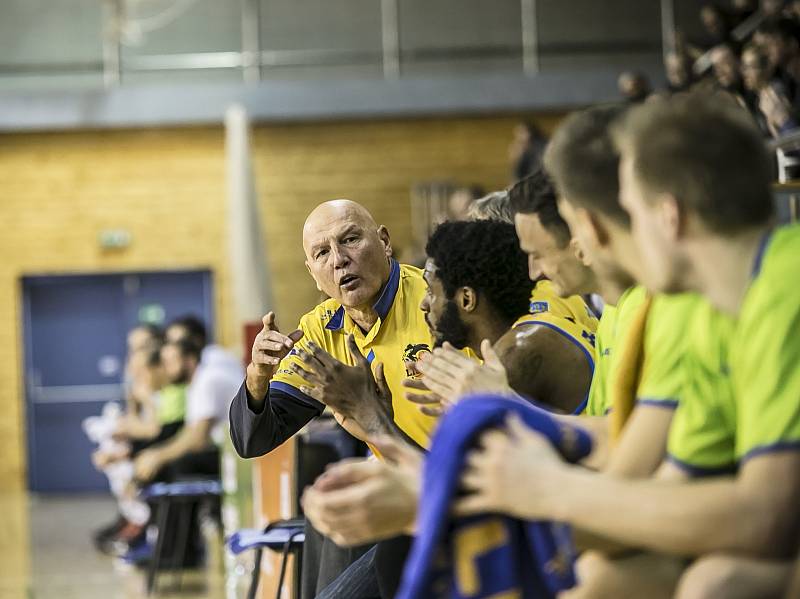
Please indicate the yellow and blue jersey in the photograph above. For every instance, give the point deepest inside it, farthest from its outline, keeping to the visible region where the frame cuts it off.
(570, 316)
(400, 334)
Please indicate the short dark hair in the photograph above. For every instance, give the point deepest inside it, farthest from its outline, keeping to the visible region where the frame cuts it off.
(534, 194)
(195, 328)
(187, 348)
(484, 255)
(584, 163)
(155, 332)
(707, 153)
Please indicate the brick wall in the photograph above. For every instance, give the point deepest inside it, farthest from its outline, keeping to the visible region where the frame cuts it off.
(167, 187)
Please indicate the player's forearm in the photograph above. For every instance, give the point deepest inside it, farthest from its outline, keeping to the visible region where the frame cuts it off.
(669, 517)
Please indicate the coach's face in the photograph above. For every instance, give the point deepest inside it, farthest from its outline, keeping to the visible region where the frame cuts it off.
(655, 228)
(347, 253)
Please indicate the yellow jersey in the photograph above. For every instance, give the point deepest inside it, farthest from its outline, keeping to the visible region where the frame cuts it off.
(569, 316)
(400, 335)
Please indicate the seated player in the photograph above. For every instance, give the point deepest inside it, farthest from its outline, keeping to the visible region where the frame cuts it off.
(695, 178)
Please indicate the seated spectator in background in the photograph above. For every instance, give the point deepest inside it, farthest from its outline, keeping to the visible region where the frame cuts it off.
(779, 42)
(772, 9)
(773, 110)
(212, 376)
(526, 149)
(678, 68)
(726, 70)
(461, 199)
(634, 86)
(741, 10)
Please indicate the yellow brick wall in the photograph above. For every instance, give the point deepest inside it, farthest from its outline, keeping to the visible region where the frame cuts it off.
(167, 186)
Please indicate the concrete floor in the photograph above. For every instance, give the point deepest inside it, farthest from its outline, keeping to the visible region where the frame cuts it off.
(46, 553)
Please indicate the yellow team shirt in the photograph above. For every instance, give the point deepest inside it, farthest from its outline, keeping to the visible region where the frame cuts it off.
(400, 334)
(613, 324)
(569, 316)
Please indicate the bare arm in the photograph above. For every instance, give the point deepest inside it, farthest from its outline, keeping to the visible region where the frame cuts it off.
(755, 512)
(545, 365)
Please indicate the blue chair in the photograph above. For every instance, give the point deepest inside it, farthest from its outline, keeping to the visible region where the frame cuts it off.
(165, 496)
(283, 535)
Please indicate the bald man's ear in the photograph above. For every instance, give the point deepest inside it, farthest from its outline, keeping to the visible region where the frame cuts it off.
(308, 268)
(383, 233)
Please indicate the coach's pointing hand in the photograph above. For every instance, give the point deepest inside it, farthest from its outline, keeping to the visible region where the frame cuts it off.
(269, 348)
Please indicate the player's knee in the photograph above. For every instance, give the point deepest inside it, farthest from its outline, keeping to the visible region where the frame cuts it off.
(709, 577)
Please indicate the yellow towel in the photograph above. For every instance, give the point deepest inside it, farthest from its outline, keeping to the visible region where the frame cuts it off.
(627, 371)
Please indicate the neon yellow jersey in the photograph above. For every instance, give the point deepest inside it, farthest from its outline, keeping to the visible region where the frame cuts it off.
(612, 326)
(663, 376)
(400, 334)
(171, 404)
(570, 317)
(702, 435)
(765, 357)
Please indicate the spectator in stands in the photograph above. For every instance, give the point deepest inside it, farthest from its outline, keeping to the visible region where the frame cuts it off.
(679, 72)
(773, 110)
(779, 41)
(725, 65)
(741, 10)
(461, 199)
(634, 86)
(526, 149)
(772, 9)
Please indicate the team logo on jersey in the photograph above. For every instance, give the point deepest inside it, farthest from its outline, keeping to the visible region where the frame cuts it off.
(539, 307)
(411, 355)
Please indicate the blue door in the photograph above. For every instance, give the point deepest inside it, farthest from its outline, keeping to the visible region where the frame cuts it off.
(74, 335)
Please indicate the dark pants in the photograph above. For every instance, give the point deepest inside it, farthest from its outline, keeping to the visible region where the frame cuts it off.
(197, 465)
(167, 431)
(375, 575)
(324, 561)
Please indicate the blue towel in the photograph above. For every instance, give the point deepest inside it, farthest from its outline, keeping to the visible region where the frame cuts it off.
(487, 556)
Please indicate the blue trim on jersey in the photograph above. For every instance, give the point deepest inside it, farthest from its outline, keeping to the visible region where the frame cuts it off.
(668, 404)
(386, 298)
(370, 356)
(771, 448)
(582, 406)
(762, 249)
(700, 471)
(382, 305)
(565, 334)
(337, 320)
(296, 394)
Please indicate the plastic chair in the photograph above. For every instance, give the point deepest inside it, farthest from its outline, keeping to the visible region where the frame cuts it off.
(282, 535)
(165, 496)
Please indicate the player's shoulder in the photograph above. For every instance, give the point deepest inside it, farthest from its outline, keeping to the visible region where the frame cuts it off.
(408, 271)
(322, 315)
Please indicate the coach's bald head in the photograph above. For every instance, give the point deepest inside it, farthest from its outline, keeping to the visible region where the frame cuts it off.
(347, 252)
